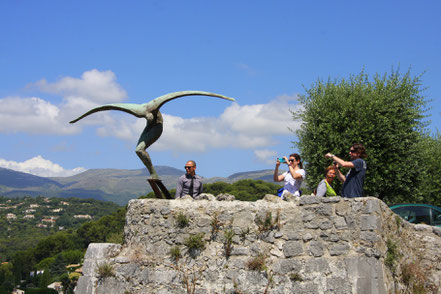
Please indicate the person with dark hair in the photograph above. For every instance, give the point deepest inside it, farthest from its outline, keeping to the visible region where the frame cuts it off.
(294, 177)
(190, 183)
(324, 188)
(354, 179)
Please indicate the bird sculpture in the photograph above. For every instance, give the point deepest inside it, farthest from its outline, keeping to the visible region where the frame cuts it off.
(149, 111)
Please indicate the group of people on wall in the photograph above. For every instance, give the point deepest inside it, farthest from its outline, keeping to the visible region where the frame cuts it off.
(191, 184)
(352, 181)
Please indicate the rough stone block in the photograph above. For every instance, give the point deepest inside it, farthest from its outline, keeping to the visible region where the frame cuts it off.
(284, 266)
(317, 265)
(324, 209)
(342, 208)
(339, 249)
(316, 248)
(102, 250)
(369, 222)
(307, 200)
(371, 205)
(339, 222)
(240, 251)
(293, 248)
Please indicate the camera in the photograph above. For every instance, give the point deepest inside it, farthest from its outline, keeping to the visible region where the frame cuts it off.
(282, 160)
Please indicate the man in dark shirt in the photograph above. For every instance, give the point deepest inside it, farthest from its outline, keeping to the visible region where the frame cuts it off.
(190, 183)
(354, 179)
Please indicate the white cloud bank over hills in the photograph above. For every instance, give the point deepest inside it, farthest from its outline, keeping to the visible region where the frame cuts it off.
(40, 167)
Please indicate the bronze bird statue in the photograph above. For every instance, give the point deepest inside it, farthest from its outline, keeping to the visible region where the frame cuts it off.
(149, 111)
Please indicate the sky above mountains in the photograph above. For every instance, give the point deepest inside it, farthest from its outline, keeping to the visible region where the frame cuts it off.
(59, 59)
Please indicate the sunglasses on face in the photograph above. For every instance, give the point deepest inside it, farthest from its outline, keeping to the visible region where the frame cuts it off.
(352, 151)
(187, 166)
(291, 160)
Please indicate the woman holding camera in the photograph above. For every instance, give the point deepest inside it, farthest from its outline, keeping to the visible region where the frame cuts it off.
(294, 177)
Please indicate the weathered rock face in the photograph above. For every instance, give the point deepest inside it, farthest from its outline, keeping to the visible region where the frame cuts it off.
(307, 245)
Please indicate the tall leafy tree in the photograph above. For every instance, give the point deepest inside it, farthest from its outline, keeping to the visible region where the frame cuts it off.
(385, 113)
(430, 155)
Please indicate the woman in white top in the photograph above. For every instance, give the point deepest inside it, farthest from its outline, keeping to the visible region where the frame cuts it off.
(294, 177)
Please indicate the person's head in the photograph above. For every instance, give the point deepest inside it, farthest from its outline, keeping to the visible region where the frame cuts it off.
(357, 150)
(190, 167)
(295, 158)
(330, 173)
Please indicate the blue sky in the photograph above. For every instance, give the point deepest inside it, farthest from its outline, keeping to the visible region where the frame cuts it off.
(59, 59)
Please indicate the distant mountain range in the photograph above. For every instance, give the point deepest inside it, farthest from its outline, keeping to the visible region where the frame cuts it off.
(116, 185)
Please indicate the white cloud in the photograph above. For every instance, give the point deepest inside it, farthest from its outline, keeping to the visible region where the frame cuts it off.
(40, 167)
(35, 115)
(262, 119)
(32, 115)
(94, 85)
(265, 155)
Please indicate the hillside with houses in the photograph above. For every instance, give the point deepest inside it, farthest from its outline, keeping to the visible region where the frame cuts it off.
(24, 221)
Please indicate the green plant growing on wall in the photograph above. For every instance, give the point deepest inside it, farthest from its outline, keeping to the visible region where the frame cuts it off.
(270, 281)
(295, 277)
(182, 220)
(265, 224)
(215, 225)
(228, 242)
(277, 221)
(105, 270)
(189, 277)
(257, 263)
(398, 221)
(236, 288)
(195, 243)
(392, 255)
(268, 223)
(413, 276)
(175, 253)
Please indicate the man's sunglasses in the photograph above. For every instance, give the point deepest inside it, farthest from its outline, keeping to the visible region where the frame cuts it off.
(188, 166)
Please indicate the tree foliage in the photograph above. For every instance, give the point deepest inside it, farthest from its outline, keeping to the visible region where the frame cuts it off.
(431, 184)
(385, 113)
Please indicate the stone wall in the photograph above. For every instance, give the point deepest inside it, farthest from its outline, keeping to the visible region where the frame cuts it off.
(305, 245)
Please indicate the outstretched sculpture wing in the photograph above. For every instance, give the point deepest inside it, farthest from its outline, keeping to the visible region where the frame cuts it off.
(165, 98)
(137, 110)
(140, 110)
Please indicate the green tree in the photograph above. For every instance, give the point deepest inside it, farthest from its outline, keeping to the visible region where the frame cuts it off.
(6, 276)
(45, 279)
(385, 113)
(58, 267)
(430, 154)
